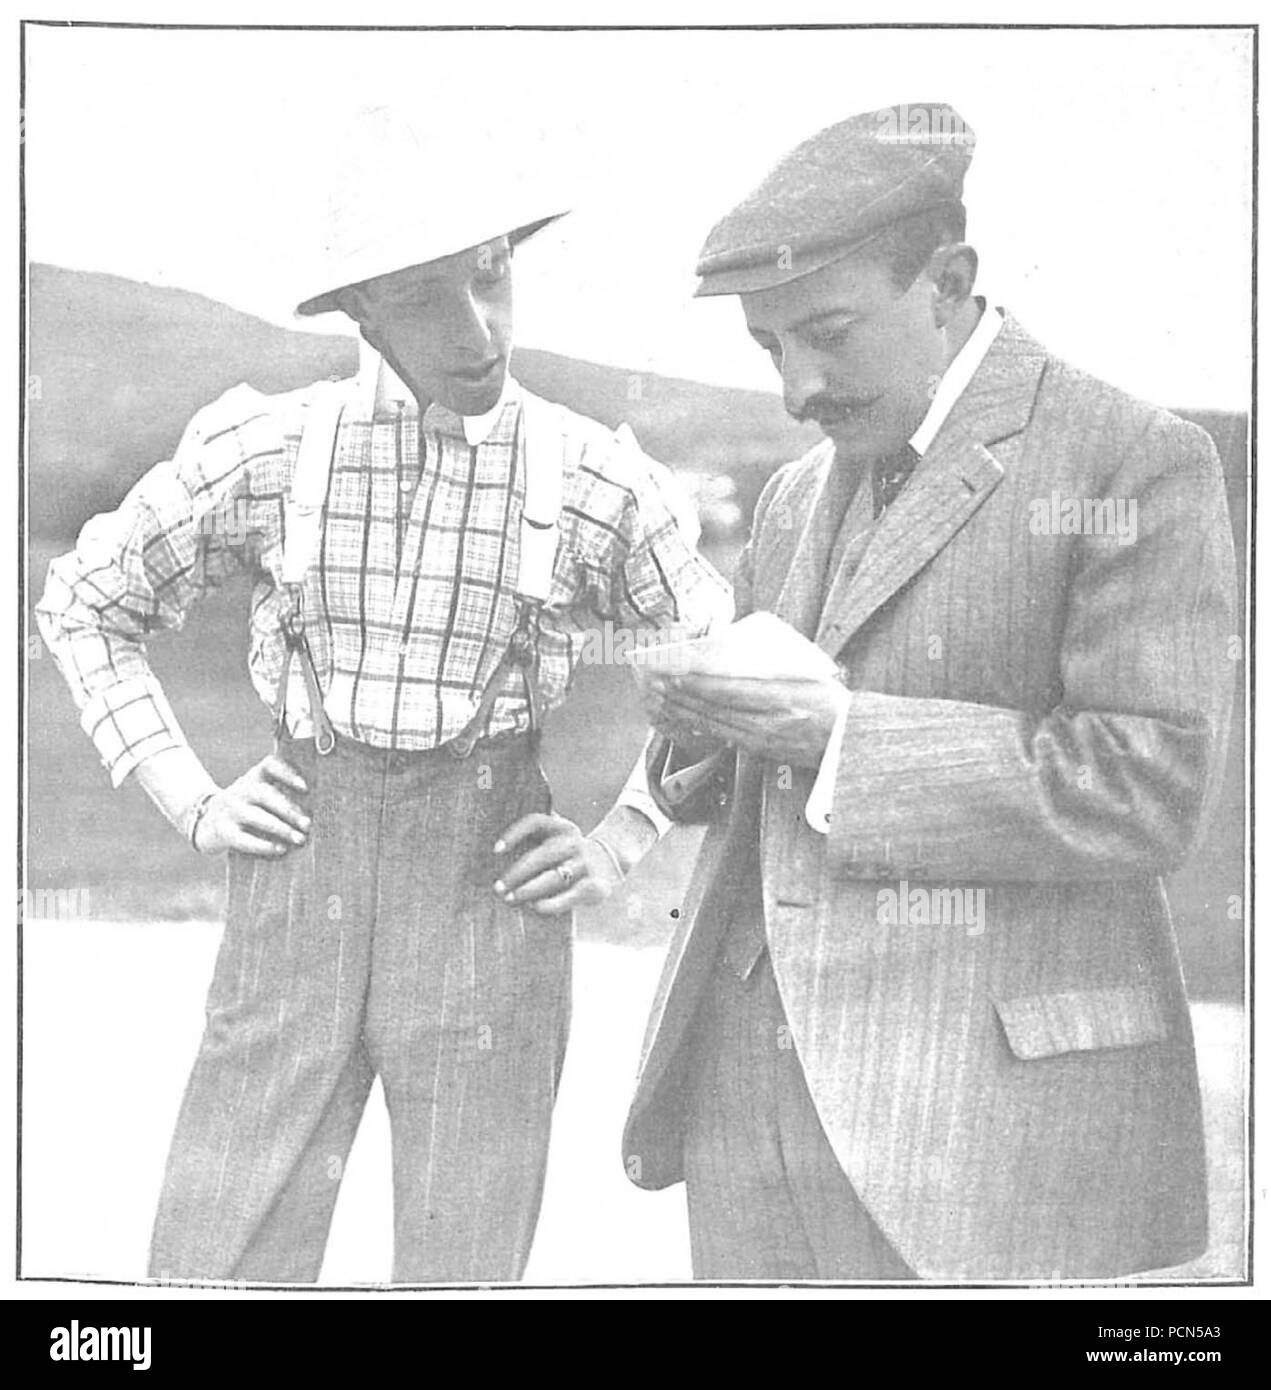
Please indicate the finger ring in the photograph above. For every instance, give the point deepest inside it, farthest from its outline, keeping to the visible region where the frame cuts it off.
(566, 873)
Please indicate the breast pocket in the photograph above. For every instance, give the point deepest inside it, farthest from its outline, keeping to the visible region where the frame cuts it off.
(1047, 1025)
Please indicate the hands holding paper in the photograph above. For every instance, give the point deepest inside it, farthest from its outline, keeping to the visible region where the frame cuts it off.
(758, 685)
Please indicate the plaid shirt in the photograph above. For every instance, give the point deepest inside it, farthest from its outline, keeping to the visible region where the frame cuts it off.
(409, 604)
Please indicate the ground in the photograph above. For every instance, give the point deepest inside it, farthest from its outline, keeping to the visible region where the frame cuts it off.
(112, 1015)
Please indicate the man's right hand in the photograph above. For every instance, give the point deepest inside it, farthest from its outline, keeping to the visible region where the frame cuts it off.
(256, 814)
(692, 745)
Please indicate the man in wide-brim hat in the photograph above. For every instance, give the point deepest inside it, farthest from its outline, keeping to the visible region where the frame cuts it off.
(400, 894)
(924, 1017)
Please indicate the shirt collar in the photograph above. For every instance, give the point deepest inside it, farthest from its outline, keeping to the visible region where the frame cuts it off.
(380, 390)
(957, 376)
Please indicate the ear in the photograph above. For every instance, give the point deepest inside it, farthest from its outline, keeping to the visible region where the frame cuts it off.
(952, 272)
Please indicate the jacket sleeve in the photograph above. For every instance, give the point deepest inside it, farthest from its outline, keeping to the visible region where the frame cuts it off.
(1116, 779)
(690, 791)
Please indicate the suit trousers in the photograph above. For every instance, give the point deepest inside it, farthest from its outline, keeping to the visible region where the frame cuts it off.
(379, 948)
(767, 1198)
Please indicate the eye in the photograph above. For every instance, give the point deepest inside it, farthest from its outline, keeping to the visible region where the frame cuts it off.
(832, 336)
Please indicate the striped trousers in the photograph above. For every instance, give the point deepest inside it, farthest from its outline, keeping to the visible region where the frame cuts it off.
(379, 948)
(767, 1198)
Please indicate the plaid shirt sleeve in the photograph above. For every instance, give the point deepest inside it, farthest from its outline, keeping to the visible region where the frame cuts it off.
(179, 531)
(638, 531)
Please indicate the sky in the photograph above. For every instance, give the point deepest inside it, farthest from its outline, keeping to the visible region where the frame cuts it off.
(1109, 196)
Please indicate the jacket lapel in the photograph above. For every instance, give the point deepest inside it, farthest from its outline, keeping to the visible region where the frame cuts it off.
(953, 480)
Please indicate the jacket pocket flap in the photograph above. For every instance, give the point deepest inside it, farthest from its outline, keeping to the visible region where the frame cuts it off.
(1043, 1025)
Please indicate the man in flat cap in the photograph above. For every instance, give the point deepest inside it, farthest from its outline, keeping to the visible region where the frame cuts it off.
(429, 544)
(924, 1016)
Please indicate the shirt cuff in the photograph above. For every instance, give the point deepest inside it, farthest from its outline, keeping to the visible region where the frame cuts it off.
(130, 722)
(637, 795)
(821, 800)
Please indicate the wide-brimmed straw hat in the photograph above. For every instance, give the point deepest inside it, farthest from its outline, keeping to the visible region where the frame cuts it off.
(401, 197)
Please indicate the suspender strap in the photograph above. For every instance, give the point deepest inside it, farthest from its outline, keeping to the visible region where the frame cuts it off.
(521, 655)
(297, 644)
(302, 511)
(542, 456)
(307, 496)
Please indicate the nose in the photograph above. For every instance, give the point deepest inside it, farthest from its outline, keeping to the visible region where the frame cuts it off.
(802, 378)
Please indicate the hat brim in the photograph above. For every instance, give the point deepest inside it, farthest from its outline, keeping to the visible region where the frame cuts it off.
(764, 271)
(328, 301)
(759, 268)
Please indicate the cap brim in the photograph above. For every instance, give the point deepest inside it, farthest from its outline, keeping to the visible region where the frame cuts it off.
(764, 270)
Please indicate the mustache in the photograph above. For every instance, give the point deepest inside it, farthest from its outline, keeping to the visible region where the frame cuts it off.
(830, 410)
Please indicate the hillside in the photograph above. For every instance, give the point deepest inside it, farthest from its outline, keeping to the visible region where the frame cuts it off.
(117, 368)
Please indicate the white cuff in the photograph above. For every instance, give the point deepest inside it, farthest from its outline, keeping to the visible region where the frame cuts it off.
(821, 801)
(637, 795)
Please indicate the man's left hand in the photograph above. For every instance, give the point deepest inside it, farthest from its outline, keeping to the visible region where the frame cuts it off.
(554, 867)
(778, 718)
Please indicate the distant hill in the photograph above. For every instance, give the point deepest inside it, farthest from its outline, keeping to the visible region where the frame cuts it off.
(117, 368)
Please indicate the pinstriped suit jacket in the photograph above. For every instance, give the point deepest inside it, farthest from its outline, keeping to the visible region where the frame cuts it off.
(1041, 716)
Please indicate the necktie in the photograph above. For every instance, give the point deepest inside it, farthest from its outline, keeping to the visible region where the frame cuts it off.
(890, 476)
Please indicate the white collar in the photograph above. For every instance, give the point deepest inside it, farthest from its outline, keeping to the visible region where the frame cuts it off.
(956, 377)
(379, 390)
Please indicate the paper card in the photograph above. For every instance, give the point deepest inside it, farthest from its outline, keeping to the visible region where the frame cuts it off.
(759, 647)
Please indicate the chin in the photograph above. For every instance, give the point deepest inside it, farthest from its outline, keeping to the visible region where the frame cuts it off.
(465, 399)
(865, 442)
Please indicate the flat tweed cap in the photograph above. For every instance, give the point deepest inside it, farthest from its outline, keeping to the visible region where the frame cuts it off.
(836, 191)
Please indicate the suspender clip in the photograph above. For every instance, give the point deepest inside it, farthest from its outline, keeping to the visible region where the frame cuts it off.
(297, 646)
